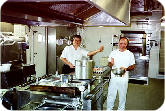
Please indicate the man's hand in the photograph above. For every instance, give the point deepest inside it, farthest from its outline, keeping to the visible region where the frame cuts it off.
(110, 64)
(123, 68)
(131, 67)
(71, 65)
(66, 62)
(96, 51)
(101, 48)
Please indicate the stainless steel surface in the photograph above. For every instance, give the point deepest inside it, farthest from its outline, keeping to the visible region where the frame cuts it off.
(15, 99)
(119, 11)
(84, 69)
(87, 70)
(55, 85)
(64, 12)
(94, 92)
(65, 78)
(102, 19)
(12, 48)
(32, 100)
(118, 71)
(51, 50)
(78, 71)
(94, 100)
(60, 103)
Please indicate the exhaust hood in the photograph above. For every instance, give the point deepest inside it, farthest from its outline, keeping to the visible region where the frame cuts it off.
(64, 12)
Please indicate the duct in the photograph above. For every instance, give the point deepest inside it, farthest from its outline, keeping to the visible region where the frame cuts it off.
(113, 12)
(64, 12)
(103, 19)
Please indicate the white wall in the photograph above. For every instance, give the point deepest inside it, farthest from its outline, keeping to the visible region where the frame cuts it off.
(92, 35)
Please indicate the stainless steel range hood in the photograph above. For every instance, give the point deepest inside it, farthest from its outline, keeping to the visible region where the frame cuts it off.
(113, 13)
(64, 12)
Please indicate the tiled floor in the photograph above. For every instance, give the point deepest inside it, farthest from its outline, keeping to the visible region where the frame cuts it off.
(143, 97)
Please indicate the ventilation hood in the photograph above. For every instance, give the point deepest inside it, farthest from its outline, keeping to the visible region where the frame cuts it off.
(64, 12)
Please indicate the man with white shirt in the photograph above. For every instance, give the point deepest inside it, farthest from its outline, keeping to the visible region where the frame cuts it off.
(124, 59)
(72, 53)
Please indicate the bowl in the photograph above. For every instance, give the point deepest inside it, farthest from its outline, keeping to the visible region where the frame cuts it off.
(118, 71)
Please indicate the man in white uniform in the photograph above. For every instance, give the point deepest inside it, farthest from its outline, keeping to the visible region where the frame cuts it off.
(74, 52)
(124, 59)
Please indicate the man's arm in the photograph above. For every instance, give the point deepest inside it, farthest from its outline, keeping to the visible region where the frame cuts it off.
(130, 67)
(67, 62)
(96, 51)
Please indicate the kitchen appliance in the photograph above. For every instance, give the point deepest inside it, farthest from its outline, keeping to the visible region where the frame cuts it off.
(59, 103)
(65, 78)
(118, 71)
(84, 69)
(14, 99)
(78, 72)
(54, 12)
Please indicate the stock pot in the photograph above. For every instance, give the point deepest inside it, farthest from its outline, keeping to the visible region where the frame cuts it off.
(84, 69)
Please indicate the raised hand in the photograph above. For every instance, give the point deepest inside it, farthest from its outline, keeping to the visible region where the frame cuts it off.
(101, 48)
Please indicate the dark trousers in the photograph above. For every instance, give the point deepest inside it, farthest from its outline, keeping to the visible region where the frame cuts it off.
(66, 69)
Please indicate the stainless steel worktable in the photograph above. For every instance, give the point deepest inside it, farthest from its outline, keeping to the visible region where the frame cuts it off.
(32, 100)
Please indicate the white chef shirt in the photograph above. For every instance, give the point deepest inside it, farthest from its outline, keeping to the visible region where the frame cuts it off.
(122, 59)
(71, 54)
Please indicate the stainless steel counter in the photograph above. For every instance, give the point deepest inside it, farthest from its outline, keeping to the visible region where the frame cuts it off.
(90, 91)
(96, 97)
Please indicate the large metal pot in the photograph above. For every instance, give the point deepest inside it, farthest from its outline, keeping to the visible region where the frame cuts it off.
(83, 69)
(78, 66)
